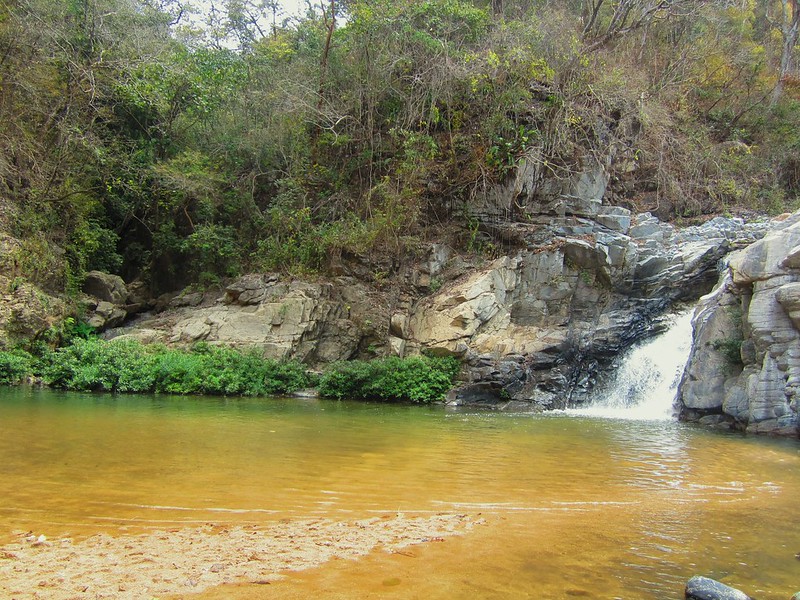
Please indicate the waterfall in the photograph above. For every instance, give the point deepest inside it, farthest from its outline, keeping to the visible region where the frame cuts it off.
(645, 385)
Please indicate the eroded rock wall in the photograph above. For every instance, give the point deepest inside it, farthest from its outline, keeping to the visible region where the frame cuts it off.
(744, 371)
(539, 326)
(536, 326)
(316, 322)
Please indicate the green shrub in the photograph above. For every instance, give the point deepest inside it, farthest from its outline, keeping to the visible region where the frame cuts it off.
(15, 366)
(94, 364)
(129, 366)
(416, 379)
(347, 379)
(731, 350)
(229, 371)
(178, 372)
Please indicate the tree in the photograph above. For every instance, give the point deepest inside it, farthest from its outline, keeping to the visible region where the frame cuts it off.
(249, 21)
(329, 20)
(789, 25)
(604, 21)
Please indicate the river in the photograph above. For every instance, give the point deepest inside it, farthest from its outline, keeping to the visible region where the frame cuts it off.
(574, 505)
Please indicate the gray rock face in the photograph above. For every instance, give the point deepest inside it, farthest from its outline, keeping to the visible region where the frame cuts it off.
(313, 322)
(539, 325)
(703, 588)
(745, 361)
(103, 286)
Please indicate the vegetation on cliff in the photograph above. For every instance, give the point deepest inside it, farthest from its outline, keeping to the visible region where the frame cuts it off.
(138, 143)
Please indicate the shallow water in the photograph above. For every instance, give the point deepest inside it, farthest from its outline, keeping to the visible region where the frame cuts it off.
(575, 506)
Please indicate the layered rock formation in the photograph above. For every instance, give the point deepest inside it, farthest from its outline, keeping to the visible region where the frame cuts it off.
(744, 370)
(316, 322)
(583, 282)
(541, 325)
(536, 326)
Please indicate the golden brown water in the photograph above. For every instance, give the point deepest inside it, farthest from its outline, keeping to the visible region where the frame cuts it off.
(574, 506)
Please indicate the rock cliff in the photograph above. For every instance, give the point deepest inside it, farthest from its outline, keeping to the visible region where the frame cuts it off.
(744, 371)
(542, 324)
(536, 326)
(573, 283)
(316, 322)
(26, 311)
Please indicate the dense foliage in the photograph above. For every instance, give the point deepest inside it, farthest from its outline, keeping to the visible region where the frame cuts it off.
(417, 379)
(127, 366)
(138, 142)
(92, 364)
(15, 367)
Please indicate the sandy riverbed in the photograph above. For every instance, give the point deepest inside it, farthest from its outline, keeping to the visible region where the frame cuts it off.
(183, 561)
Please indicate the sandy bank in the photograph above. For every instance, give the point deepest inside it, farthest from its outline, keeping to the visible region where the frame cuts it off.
(181, 561)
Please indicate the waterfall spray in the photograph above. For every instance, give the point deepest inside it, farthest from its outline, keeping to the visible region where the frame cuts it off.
(645, 385)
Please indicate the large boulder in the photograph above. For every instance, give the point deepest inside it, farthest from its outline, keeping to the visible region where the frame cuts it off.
(107, 287)
(109, 301)
(105, 315)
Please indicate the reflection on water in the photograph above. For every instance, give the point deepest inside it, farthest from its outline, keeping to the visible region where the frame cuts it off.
(604, 508)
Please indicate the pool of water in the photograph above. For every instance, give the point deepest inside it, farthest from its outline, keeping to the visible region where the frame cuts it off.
(574, 505)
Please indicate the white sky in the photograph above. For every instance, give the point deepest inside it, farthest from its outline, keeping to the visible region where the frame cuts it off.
(201, 9)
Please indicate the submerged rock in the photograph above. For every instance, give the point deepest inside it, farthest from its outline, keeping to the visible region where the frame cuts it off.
(703, 588)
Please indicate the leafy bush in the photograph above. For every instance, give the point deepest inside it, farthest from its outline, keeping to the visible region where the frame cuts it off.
(417, 379)
(731, 350)
(15, 366)
(129, 366)
(347, 379)
(229, 371)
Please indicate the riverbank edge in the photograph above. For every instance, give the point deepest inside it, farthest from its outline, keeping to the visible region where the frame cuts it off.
(190, 560)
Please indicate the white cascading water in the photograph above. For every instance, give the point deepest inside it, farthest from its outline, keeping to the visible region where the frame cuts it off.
(645, 385)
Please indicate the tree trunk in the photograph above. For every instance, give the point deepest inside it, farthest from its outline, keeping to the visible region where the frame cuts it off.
(789, 31)
(323, 67)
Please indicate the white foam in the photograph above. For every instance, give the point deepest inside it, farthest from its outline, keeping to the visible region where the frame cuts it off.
(645, 386)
